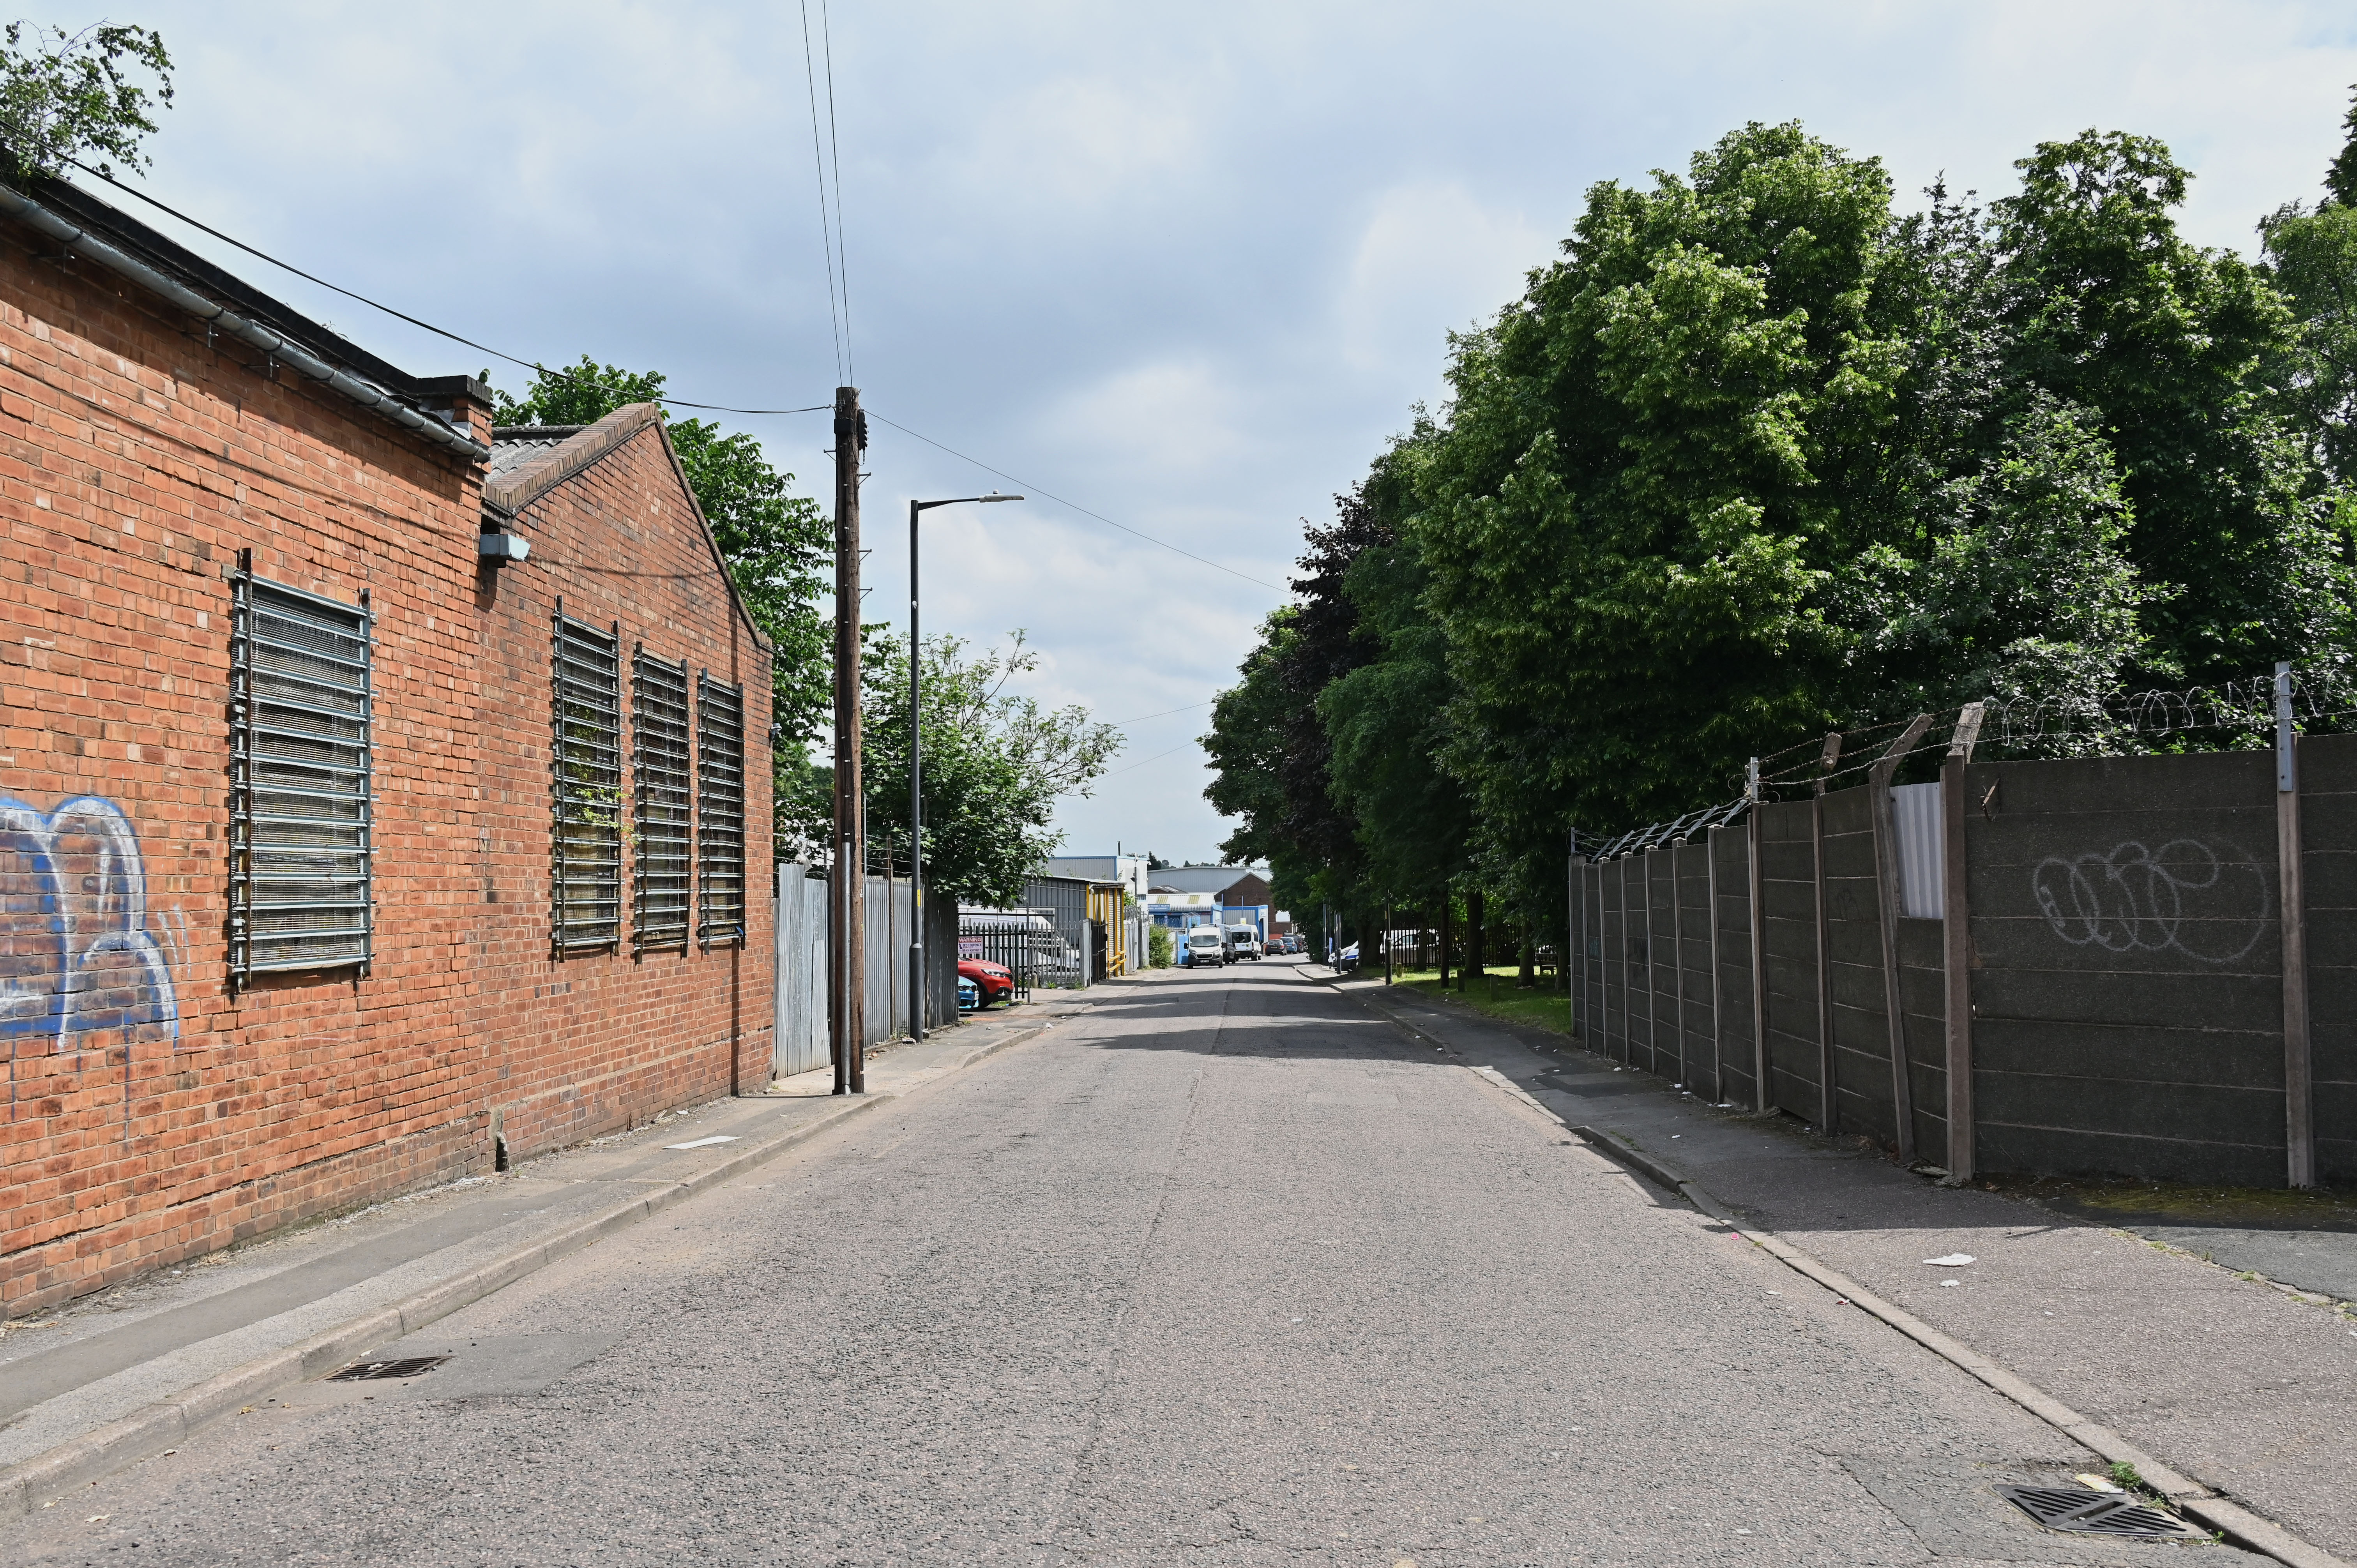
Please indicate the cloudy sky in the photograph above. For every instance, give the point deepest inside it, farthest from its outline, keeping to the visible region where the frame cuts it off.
(1183, 266)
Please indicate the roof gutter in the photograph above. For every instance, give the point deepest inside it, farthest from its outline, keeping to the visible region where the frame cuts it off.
(26, 210)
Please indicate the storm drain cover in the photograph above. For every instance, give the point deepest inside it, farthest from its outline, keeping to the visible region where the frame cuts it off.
(2085, 1512)
(369, 1371)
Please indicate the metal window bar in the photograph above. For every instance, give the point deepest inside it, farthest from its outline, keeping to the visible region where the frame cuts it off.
(719, 812)
(585, 838)
(301, 859)
(659, 760)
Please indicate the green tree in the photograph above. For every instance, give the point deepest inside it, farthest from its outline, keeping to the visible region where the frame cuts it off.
(1656, 459)
(2025, 594)
(67, 96)
(995, 763)
(2170, 346)
(776, 544)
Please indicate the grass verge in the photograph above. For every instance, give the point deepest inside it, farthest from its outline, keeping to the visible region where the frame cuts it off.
(1493, 992)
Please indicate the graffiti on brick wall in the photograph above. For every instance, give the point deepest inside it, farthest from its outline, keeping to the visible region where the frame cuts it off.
(78, 950)
(2209, 903)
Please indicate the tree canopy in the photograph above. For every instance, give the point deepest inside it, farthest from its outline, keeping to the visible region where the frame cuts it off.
(67, 96)
(1760, 454)
(995, 763)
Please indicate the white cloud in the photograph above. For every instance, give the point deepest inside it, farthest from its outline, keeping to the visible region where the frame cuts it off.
(1186, 266)
(1430, 260)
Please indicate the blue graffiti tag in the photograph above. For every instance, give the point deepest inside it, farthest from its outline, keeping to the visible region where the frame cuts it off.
(75, 953)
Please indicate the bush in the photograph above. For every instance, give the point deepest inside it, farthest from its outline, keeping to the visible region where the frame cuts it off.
(1161, 947)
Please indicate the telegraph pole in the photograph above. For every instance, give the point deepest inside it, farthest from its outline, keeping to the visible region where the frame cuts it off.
(846, 905)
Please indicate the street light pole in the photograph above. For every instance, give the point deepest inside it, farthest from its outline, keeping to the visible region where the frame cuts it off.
(916, 777)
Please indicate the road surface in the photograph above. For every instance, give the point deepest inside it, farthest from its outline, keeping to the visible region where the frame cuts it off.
(1224, 1270)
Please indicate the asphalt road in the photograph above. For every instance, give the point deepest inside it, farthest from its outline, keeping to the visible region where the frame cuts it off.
(1224, 1270)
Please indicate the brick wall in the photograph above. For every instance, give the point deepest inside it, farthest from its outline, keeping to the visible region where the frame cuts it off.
(136, 463)
(587, 1040)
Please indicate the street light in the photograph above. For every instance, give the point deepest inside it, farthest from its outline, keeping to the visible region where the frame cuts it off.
(916, 780)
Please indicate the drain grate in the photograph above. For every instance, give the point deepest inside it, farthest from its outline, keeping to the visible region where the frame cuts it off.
(2085, 1512)
(371, 1371)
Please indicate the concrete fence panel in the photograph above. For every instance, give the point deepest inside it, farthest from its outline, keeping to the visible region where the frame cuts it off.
(2126, 967)
(2328, 786)
(1730, 866)
(1788, 900)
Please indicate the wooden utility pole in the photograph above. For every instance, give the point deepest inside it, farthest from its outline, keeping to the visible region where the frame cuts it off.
(847, 909)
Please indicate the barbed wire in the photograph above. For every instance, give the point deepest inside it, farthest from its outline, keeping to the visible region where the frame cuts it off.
(2323, 696)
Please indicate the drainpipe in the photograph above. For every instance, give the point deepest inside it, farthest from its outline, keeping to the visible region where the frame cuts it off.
(26, 210)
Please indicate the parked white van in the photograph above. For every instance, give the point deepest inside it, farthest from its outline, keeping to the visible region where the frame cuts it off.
(1202, 946)
(1244, 943)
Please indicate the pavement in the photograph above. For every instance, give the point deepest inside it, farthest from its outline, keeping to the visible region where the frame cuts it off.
(121, 1374)
(1228, 1269)
(2234, 1378)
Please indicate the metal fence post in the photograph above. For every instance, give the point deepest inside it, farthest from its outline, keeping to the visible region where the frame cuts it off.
(2299, 1115)
(1956, 941)
(1710, 891)
(1887, 900)
(1759, 891)
(1678, 951)
(1829, 1113)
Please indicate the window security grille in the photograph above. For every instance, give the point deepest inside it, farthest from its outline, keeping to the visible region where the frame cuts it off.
(299, 769)
(660, 769)
(587, 840)
(720, 812)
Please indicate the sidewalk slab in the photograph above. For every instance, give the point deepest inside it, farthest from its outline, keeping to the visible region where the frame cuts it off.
(2242, 1386)
(106, 1380)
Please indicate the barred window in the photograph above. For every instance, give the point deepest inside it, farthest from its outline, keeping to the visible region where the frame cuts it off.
(299, 772)
(660, 769)
(587, 840)
(719, 812)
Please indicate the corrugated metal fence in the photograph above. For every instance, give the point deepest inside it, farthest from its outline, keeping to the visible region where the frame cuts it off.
(800, 1034)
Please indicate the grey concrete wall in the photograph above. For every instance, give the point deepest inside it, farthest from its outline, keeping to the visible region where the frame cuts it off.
(2127, 975)
(2328, 786)
(2125, 967)
(1788, 931)
(1862, 1094)
(1730, 852)
(1690, 1037)
(1923, 1004)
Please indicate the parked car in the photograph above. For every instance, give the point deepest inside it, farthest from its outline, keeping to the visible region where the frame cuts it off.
(1244, 943)
(1348, 958)
(1202, 946)
(992, 982)
(969, 995)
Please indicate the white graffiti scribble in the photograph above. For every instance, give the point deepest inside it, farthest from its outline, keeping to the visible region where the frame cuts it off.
(2211, 905)
(75, 953)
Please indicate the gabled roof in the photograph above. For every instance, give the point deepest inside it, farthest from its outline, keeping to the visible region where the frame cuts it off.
(530, 460)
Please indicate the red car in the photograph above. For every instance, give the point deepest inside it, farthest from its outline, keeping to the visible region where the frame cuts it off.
(995, 981)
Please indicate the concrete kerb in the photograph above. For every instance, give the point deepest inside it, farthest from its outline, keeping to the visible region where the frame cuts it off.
(35, 1483)
(2191, 1497)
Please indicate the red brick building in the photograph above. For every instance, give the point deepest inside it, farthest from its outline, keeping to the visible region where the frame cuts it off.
(341, 850)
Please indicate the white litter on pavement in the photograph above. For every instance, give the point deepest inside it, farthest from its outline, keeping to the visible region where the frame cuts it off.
(706, 1142)
(1953, 1260)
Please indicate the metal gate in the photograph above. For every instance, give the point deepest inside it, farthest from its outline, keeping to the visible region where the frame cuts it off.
(1012, 939)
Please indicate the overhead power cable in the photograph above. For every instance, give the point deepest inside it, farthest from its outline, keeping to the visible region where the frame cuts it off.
(818, 164)
(1031, 489)
(1143, 761)
(1124, 723)
(834, 153)
(533, 365)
